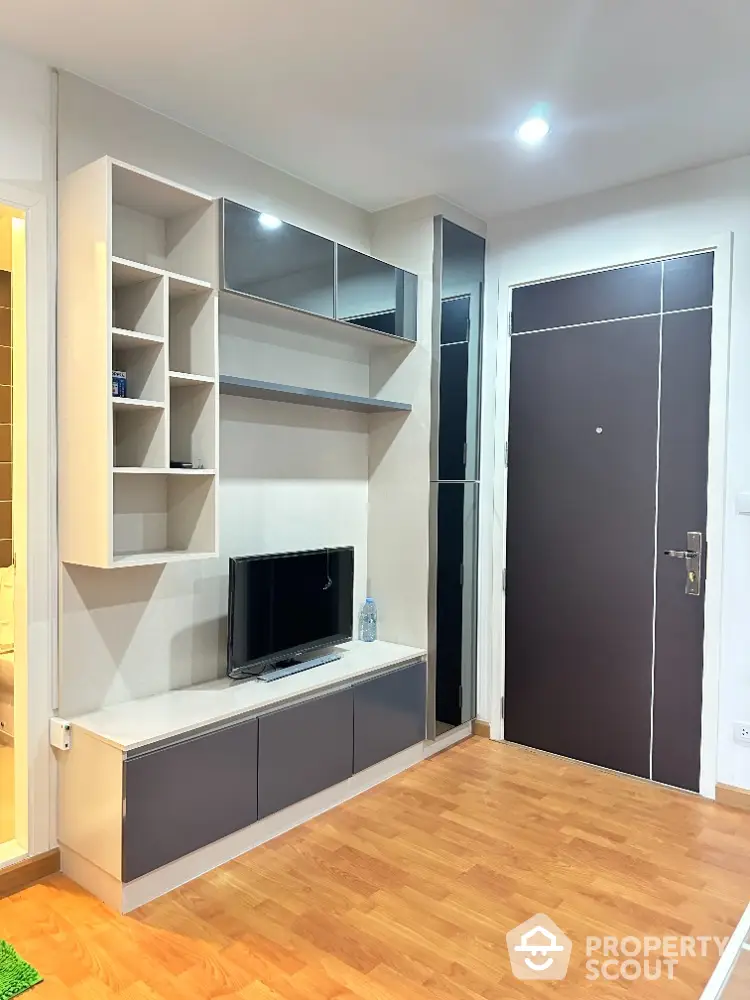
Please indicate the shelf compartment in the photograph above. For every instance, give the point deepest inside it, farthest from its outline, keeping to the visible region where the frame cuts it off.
(255, 388)
(192, 332)
(163, 518)
(192, 425)
(163, 225)
(145, 369)
(138, 434)
(138, 305)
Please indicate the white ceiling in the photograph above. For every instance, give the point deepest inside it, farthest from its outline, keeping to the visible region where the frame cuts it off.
(382, 101)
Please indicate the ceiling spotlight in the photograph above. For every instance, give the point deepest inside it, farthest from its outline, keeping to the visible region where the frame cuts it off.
(532, 131)
(269, 221)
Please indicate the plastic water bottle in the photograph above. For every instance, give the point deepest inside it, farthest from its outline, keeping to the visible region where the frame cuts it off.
(368, 621)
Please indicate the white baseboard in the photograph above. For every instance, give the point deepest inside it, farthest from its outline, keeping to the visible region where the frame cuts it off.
(148, 887)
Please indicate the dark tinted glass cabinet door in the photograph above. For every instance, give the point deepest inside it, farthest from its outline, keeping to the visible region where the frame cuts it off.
(270, 259)
(375, 295)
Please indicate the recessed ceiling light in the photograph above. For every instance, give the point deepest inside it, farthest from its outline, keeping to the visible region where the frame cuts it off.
(269, 221)
(532, 131)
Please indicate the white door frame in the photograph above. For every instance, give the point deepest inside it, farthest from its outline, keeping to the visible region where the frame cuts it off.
(596, 257)
(35, 805)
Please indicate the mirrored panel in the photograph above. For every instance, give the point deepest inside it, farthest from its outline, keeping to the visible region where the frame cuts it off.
(455, 473)
(271, 259)
(455, 646)
(366, 291)
(460, 347)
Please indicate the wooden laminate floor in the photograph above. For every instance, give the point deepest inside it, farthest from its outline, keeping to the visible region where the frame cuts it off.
(408, 891)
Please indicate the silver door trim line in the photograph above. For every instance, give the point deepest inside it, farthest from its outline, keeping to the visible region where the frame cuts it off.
(616, 319)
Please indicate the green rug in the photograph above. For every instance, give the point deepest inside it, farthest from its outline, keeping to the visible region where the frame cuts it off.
(16, 976)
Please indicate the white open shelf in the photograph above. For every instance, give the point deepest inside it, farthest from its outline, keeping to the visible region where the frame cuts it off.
(128, 340)
(131, 470)
(125, 403)
(183, 378)
(147, 308)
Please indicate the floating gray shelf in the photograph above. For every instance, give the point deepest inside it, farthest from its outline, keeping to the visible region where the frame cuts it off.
(274, 314)
(255, 388)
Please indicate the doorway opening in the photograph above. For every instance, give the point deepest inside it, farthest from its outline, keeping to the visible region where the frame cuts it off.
(12, 526)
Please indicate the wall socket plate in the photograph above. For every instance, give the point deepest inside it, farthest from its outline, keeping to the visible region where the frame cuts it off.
(742, 733)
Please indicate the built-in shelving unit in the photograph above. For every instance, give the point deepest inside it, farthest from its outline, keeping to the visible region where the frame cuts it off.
(258, 389)
(137, 265)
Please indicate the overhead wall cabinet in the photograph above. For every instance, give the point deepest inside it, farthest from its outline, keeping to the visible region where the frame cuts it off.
(266, 261)
(138, 262)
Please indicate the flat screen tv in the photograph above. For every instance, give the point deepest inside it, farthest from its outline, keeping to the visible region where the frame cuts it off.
(286, 605)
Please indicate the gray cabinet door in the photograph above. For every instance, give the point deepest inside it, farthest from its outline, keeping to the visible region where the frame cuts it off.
(304, 749)
(187, 795)
(389, 715)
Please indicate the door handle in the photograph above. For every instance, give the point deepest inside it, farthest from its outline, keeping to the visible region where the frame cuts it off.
(693, 556)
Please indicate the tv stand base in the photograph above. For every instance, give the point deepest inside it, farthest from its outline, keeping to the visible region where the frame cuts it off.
(296, 667)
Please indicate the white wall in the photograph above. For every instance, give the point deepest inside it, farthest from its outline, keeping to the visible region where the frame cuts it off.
(27, 182)
(95, 122)
(624, 224)
(290, 477)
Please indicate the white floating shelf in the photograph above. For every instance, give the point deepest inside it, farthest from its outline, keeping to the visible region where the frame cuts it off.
(126, 403)
(184, 378)
(128, 340)
(234, 386)
(256, 310)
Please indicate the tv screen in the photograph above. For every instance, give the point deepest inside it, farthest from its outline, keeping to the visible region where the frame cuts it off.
(281, 606)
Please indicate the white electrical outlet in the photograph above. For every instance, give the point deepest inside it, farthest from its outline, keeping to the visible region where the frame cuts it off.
(742, 733)
(59, 733)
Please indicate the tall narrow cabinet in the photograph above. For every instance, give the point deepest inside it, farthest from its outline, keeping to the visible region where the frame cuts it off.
(137, 294)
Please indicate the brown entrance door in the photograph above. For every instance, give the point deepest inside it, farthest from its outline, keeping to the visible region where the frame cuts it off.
(607, 470)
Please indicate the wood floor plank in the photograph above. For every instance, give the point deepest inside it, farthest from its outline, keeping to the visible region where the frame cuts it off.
(408, 891)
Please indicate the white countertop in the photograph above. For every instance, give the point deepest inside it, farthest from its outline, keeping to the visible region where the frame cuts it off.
(134, 724)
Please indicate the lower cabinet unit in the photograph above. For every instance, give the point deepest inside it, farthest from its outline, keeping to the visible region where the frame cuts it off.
(186, 795)
(303, 750)
(389, 715)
